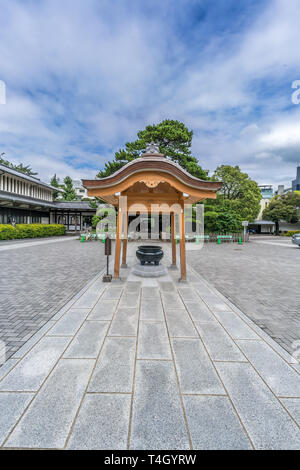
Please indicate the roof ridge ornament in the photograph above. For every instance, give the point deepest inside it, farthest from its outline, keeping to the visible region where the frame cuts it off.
(153, 147)
(152, 150)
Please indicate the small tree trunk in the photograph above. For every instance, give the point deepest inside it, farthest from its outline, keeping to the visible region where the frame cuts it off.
(276, 227)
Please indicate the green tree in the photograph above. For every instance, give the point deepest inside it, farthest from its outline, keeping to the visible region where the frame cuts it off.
(55, 183)
(238, 200)
(174, 141)
(94, 203)
(69, 191)
(283, 208)
(26, 169)
(221, 218)
(239, 193)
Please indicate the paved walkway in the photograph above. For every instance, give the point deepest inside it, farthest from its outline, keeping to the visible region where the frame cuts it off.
(286, 245)
(260, 278)
(33, 273)
(13, 245)
(150, 364)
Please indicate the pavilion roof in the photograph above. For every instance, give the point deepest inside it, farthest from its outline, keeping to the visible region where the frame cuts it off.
(155, 163)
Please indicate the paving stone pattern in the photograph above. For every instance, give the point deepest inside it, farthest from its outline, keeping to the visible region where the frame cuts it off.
(37, 279)
(109, 372)
(261, 278)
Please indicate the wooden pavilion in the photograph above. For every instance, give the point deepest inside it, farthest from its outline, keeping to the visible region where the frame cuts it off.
(151, 182)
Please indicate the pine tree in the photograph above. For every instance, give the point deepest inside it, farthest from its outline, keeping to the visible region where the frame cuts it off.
(55, 182)
(174, 141)
(26, 169)
(69, 191)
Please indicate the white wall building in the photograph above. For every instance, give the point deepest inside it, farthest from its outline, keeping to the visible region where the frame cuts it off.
(25, 199)
(80, 191)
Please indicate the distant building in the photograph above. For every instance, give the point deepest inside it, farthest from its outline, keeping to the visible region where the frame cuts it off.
(282, 190)
(80, 191)
(267, 193)
(27, 200)
(259, 225)
(296, 182)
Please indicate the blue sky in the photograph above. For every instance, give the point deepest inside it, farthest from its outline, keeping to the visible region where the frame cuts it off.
(82, 77)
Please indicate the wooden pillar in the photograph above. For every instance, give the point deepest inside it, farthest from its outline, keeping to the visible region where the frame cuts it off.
(182, 246)
(118, 245)
(173, 241)
(124, 254)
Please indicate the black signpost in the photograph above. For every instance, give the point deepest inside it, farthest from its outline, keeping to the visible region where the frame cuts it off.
(107, 250)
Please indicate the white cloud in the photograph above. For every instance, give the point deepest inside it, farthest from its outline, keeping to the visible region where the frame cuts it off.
(83, 77)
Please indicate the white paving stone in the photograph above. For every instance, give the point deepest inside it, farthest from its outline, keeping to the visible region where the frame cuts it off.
(125, 322)
(267, 423)
(151, 309)
(102, 423)
(69, 324)
(214, 425)
(47, 421)
(88, 341)
(90, 297)
(198, 311)
(153, 341)
(12, 406)
(114, 368)
(293, 407)
(196, 371)
(235, 326)
(280, 376)
(158, 420)
(32, 370)
(179, 323)
(186, 313)
(7, 367)
(220, 346)
(103, 310)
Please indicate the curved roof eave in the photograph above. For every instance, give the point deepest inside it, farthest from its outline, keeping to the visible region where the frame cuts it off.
(150, 164)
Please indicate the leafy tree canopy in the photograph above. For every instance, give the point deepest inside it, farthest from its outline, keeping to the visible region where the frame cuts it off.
(93, 203)
(239, 192)
(283, 208)
(174, 141)
(26, 169)
(238, 200)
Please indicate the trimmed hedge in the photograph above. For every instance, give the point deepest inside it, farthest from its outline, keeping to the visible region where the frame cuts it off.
(8, 232)
(290, 233)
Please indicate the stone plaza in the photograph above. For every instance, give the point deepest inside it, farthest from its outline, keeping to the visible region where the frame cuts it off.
(146, 363)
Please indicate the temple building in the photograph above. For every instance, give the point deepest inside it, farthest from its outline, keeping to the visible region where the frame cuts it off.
(151, 183)
(25, 199)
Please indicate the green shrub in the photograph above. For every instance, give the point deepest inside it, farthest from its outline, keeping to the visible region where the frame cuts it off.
(8, 232)
(290, 233)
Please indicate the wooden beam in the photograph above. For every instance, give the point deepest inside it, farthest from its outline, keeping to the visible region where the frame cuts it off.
(173, 241)
(124, 254)
(182, 246)
(118, 245)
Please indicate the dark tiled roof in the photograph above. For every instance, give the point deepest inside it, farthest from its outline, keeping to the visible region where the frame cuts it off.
(80, 205)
